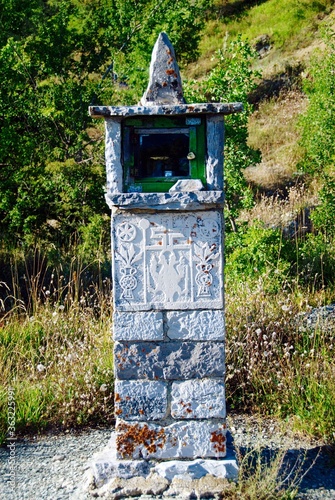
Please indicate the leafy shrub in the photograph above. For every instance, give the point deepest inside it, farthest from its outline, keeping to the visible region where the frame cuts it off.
(231, 80)
(316, 261)
(318, 123)
(256, 252)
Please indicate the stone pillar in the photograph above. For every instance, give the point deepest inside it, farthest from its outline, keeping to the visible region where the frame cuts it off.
(169, 334)
(168, 328)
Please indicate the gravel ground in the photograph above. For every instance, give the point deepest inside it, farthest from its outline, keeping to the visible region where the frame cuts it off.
(51, 466)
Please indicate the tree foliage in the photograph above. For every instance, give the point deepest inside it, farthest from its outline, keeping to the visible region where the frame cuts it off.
(318, 133)
(57, 57)
(231, 80)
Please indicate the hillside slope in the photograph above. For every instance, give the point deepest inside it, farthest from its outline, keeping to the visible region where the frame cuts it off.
(285, 34)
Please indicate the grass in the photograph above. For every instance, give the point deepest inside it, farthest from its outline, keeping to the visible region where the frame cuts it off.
(57, 357)
(273, 129)
(276, 364)
(292, 26)
(264, 478)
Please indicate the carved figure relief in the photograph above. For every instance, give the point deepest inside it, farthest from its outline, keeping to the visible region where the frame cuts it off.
(167, 261)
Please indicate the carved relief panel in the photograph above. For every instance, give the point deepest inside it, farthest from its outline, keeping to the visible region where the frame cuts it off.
(167, 261)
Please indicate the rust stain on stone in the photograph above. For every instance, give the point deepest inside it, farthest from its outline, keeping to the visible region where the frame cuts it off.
(218, 440)
(171, 72)
(131, 436)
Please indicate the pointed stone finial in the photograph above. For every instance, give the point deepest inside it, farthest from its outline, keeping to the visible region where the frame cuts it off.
(165, 83)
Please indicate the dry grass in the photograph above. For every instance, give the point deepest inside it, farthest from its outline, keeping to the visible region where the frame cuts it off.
(277, 211)
(276, 363)
(273, 130)
(292, 28)
(57, 358)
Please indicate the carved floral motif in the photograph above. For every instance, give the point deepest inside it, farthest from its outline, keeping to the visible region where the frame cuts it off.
(168, 260)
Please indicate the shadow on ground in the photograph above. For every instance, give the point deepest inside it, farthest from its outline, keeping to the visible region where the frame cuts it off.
(312, 470)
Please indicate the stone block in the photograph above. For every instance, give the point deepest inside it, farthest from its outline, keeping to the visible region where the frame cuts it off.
(146, 325)
(191, 439)
(136, 486)
(187, 185)
(140, 400)
(198, 399)
(113, 156)
(196, 325)
(105, 466)
(175, 200)
(195, 469)
(168, 261)
(168, 360)
(215, 139)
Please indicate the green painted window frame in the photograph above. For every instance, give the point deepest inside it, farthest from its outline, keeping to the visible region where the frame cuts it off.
(197, 145)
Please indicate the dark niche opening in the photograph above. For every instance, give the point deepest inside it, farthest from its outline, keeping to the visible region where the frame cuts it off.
(161, 153)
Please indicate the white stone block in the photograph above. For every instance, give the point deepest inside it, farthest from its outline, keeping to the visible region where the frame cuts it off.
(196, 325)
(146, 325)
(140, 400)
(198, 399)
(192, 439)
(167, 261)
(187, 185)
(195, 469)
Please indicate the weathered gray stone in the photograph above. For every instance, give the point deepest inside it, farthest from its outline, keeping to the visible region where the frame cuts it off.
(164, 83)
(140, 400)
(181, 109)
(187, 185)
(196, 325)
(118, 488)
(191, 439)
(106, 466)
(215, 142)
(168, 261)
(113, 156)
(198, 399)
(206, 487)
(196, 200)
(168, 360)
(195, 469)
(138, 325)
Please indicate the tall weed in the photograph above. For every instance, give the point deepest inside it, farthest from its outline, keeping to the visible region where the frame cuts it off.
(56, 353)
(276, 363)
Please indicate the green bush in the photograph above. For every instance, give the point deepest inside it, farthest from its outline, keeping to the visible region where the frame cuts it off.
(316, 261)
(257, 252)
(231, 80)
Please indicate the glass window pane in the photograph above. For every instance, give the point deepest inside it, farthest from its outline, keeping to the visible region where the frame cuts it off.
(161, 154)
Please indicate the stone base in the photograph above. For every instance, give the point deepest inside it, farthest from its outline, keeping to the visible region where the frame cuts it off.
(111, 478)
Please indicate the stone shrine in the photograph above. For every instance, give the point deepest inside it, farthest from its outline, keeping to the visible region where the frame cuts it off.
(164, 161)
